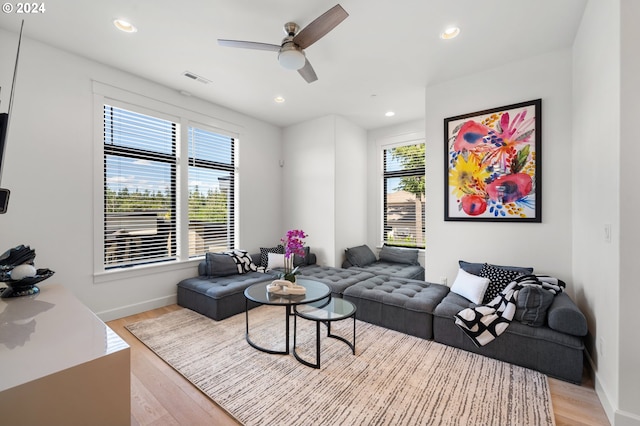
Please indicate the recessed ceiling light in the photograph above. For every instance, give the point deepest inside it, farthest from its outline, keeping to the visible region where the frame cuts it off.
(278, 99)
(449, 33)
(124, 26)
(389, 114)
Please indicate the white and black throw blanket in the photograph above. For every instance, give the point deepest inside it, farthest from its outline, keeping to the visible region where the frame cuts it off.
(486, 322)
(242, 260)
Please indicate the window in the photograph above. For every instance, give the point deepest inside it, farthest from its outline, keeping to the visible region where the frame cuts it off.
(211, 189)
(403, 195)
(139, 188)
(143, 193)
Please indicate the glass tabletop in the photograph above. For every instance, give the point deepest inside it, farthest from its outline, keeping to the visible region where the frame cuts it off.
(335, 309)
(315, 291)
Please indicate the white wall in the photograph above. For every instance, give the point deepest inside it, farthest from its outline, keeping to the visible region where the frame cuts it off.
(309, 182)
(605, 118)
(545, 246)
(325, 185)
(50, 172)
(629, 373)
(596, 124)
(351, 187)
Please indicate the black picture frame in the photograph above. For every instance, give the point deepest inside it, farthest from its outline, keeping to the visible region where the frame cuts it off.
(492, 164)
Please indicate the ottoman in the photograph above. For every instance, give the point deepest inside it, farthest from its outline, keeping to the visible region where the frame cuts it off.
(397, 303)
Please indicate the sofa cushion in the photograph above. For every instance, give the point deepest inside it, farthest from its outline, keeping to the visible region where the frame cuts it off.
(302, 260)
(564, 316)
(219, 265)
(220, 287)
(470, 286)
(475, 268)
(360, 255)
(499, 279)
(264, 254)
(337, 279)
(396, 303)
(400, 270)
(532, 305)
(399, 255)
(218, 297)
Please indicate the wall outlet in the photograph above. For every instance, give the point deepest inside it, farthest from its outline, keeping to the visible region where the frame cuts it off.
(443, 280)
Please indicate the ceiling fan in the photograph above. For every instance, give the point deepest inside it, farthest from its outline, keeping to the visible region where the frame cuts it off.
(291, 52)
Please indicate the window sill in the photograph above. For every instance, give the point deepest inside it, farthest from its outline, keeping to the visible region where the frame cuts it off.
(144, 270)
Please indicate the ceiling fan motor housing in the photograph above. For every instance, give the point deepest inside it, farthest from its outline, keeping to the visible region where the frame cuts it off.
(291, 29)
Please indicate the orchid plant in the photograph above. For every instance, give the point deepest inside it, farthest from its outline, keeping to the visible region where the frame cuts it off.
(293, 244)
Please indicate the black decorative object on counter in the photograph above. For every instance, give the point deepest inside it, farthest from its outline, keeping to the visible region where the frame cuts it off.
(21, 259)
(26, 286)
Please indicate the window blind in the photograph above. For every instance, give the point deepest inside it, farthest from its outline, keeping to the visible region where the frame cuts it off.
(139, 188)
(404, 195)
(211, 191)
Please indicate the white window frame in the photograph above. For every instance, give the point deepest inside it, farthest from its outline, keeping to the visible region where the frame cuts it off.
(390, 142)
(184, 117)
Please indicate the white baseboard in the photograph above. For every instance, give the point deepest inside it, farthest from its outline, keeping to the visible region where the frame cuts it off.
(616, 417)
(147, 305)
(624, 418)
(600, 391)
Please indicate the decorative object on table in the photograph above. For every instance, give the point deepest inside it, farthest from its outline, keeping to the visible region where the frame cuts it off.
(19, 274)
(492, 166)
(293, 244)
(285, 287)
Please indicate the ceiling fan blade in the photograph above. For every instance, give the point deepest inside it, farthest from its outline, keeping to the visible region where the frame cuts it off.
(320, 27)
(307, 72)
(249, 45)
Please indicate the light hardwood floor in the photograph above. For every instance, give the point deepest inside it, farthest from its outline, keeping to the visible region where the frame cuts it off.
(161, 396)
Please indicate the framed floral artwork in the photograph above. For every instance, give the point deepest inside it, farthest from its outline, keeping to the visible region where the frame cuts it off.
(492, 164)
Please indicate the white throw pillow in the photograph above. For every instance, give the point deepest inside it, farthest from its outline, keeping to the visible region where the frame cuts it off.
(276, 260)
(470, 286)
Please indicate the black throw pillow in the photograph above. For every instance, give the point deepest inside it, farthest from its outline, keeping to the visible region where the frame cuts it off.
(499, 279)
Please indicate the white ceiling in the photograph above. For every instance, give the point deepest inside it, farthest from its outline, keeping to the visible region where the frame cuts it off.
(380, 58)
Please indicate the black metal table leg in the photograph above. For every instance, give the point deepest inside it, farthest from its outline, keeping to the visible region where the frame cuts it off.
(260, 348)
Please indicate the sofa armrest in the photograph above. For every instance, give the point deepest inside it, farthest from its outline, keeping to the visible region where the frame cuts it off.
(564, 316)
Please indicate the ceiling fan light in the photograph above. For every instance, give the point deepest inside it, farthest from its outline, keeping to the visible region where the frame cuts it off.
(291, 59)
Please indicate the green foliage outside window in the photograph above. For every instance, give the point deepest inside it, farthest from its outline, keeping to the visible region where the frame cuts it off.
(209, 207)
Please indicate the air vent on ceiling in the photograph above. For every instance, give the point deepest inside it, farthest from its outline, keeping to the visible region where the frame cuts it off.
(196, 77)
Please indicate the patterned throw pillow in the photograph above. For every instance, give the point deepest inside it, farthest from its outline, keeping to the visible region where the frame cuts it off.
(243, 261)
(498, 279)
(264, 254)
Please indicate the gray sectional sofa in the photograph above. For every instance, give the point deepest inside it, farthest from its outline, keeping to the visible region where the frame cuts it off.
(390, 297)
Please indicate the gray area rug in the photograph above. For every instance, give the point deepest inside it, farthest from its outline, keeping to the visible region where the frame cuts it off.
(394, 378)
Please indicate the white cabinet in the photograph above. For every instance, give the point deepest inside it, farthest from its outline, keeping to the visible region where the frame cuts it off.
(60, 364)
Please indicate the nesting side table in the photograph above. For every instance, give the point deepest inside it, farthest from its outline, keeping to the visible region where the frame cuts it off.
(335, 309)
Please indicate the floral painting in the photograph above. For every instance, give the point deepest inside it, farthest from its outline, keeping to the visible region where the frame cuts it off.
(492, 170)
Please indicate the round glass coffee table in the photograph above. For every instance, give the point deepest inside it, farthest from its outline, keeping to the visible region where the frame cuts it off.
(258, 293)
(324, 312)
